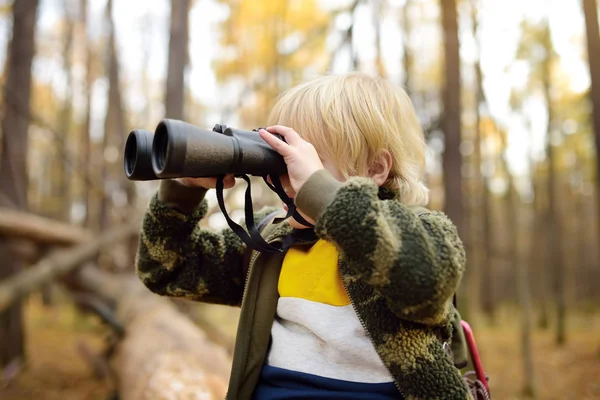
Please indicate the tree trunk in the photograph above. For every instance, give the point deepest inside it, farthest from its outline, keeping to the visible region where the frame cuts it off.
(63, 191)
(114, 124)
(482, 251)
(178, 59)
(539, 256)
(350, 37)
(487, 293)
(521, 271)
(555, 242)
(474, 245)
(61, 200)
(522, 275)
(377, 19)
(407, 57)
(86, 162)
(452, 160)
(590, 11)
(346, 41)
(13, 160)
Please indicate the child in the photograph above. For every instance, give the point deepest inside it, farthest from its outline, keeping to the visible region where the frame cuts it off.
(363, 309)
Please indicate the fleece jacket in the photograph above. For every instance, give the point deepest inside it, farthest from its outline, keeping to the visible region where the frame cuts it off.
(400, 266)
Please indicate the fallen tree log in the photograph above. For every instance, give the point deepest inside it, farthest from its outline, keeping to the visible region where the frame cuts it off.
(199, 318)
(59, 263)
(162, 354)
(23, 225)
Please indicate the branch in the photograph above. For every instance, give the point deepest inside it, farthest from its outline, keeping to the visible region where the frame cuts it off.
(33, 227)
(59, 263)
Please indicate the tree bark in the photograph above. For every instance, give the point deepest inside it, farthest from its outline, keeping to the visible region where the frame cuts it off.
(590, 11)
(163, 354)
(59, 263)
(13, 160)
(178, 59)
(452, 160)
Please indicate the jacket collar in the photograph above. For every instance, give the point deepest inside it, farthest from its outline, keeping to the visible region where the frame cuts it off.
(277, 232)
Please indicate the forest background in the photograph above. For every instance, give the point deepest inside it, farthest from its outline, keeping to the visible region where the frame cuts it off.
(508, 93)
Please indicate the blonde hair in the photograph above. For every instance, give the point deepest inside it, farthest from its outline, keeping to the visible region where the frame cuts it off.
(350, 119)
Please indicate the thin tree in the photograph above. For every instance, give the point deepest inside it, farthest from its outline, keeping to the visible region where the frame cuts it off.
(64, 122)
(178, 59)
(521, 270)
(451, 123)
(592, 29)
(146, 82)
(536, 36)
(590, 11)
(481, 182)
(555, 241)
(539, 257)
(85, 151)
(407, 58)
(377, 16)
(13, 160)
(114, 124)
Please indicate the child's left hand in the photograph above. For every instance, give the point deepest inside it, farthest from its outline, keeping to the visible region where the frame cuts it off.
(301, 157)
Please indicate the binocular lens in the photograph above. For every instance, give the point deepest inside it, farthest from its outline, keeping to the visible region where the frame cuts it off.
(130, 154)
(160, 148)
(138, 155)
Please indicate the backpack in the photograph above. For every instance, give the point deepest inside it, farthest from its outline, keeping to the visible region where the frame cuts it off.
(462, 348)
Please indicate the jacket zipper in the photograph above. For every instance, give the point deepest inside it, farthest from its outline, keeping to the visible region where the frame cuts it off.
(362, 322)
(249, 311)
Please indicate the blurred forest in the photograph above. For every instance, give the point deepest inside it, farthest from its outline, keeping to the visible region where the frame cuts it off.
(508, 93)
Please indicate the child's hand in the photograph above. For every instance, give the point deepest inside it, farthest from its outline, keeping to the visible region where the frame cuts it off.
(208, 183)
(300, 156)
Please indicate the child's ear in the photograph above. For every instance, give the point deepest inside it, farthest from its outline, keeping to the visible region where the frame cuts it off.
(380, 169)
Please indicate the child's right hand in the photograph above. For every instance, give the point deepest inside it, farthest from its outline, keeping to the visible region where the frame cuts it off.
(207, 183)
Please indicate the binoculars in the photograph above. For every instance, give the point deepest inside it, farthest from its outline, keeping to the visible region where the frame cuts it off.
(178, 149)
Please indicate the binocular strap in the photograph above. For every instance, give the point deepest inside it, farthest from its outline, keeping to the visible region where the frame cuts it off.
(277, 187)
(253, 238)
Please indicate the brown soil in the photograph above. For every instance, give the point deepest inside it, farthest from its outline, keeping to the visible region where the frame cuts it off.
(56, 368)
(560, 373)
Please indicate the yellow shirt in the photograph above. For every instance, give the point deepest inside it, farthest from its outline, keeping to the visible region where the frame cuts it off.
(313, 274)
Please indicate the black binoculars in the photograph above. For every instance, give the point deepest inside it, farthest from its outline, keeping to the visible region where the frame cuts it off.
(178, 149)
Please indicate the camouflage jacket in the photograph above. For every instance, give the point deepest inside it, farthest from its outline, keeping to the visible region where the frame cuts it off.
(400, 266)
